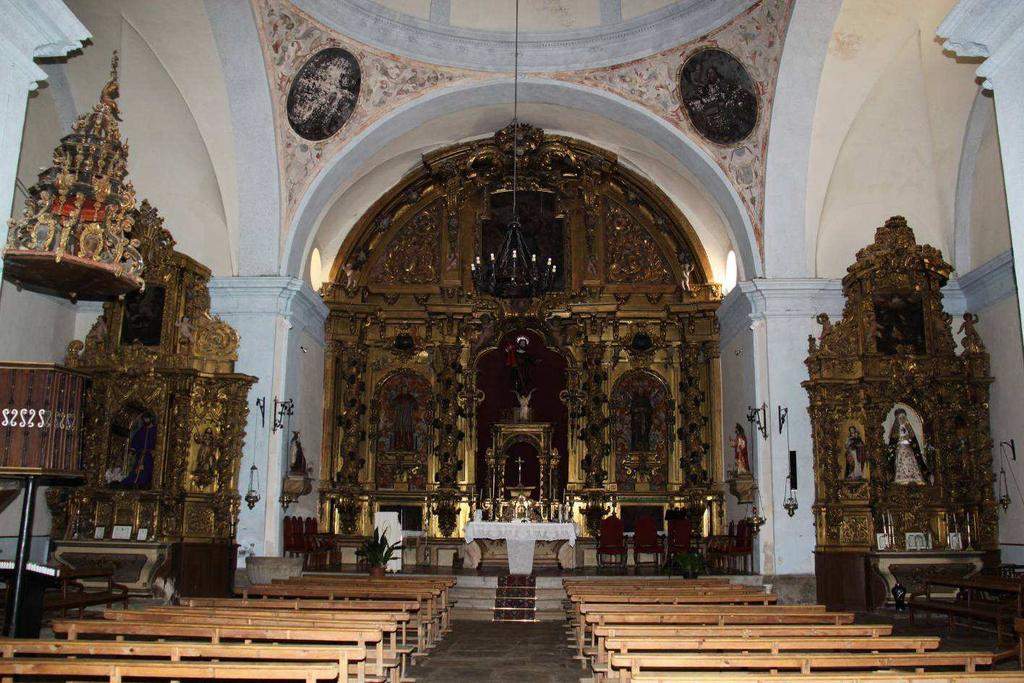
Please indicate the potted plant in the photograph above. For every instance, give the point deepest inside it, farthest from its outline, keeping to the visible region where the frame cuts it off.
(378, 552)
(690, 565)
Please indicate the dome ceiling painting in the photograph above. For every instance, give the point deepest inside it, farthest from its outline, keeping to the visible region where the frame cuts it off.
(717, 89)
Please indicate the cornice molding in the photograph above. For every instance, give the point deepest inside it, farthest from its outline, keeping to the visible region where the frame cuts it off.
(760, 299)
(447, 45)
(37, 28)
(989, 283)
(991, 29)
(288, 297)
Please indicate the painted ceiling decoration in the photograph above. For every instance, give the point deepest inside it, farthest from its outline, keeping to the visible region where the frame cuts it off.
(728, 94)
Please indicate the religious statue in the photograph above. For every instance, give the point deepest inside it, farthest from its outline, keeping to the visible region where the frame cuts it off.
(640, 419)
(739, 449)
(204, 472)
(909, 466)
(136, 471)
(298, 466)
(971, 341)
(403, 423)
(523, 411)
(519, 362)
(855, 456)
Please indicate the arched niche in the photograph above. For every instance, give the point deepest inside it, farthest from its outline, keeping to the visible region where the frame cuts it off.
(642, 426)
(401, 418)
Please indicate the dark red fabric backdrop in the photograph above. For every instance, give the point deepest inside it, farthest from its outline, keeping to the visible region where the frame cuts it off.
(548, 377)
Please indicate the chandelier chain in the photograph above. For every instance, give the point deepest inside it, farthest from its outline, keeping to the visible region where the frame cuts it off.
(515, 121)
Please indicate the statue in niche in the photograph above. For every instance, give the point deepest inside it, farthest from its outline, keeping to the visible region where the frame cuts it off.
(403, 410)
(523, 411)
(855, 455)
(207, 457)
(298, 467)
(136, 468)
(519, 363)
(640, 421)
(909, 466)
(739, 449)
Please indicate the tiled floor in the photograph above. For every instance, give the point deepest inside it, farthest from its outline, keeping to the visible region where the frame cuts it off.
(503, 651)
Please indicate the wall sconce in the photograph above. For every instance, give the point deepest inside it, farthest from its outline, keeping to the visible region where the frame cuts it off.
(261, 403)
(783, 414)
(282, 410)
(252, 496)
(759, 418)
(790, 502)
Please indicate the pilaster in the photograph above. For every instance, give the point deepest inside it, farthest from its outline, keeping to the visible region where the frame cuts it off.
(280, 322)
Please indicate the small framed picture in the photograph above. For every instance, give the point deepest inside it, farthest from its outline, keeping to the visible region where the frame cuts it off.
(882, 541)
(121, 532)
(99, 532)
(918, 541)
(142, 535)
(955, 541)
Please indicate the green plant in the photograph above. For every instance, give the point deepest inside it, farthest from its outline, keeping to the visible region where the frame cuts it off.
(377, 551)
(690, 565)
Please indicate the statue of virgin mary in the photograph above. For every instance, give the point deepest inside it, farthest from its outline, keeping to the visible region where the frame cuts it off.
(909, 466)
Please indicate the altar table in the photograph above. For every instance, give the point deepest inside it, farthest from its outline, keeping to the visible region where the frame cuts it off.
(520, 538)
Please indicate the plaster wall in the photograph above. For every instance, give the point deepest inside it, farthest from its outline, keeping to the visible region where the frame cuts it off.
(999, 327)
(888, 130)
(989, 221)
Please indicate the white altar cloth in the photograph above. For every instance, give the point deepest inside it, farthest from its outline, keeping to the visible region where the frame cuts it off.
(520, 538)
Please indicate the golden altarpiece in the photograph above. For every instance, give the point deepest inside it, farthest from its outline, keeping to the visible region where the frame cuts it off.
(614, 368)
(164, 424)
(900, 422)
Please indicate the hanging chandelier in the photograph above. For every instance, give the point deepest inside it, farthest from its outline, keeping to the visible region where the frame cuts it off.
(514, 271)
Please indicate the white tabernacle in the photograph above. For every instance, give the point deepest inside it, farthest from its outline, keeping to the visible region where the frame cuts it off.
(520, 537)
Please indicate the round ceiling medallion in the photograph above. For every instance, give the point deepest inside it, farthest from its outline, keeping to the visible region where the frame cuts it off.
(719, 96)
(323, 94)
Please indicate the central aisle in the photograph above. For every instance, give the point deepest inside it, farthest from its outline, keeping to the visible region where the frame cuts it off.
(505, 651)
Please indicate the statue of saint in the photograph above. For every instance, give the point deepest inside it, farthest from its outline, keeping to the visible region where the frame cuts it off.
(909, 466)
(403, 423)
(855, 456)
(207, 457)
(299, 466)
(519, 362)
(739, 449)
(640, 419)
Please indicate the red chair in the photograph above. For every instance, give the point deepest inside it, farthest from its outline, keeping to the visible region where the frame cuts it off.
(646, 541)
(741, 550)
(611, 541)
(680, 536)
(291, 546)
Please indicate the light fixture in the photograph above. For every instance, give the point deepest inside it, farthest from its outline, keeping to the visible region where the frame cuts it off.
(252, 496)
(515, 270)
(759, 418)
(1003, 489)
(790, 502)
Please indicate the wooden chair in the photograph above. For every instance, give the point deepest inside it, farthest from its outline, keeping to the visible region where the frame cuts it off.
(680, 536)
(611, 541)
(646, 540)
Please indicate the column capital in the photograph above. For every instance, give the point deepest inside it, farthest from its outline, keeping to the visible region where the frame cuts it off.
(762, 299)
(288, 297)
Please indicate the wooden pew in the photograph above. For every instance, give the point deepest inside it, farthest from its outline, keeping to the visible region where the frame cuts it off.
(629, 666)
(373, 639)
(116, 670)
(344, 657)
(826, 677)
(436, 612)
(334, 607)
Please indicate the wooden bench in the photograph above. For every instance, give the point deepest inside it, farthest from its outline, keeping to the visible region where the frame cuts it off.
(629, 666)
(343, 657)
(115, 670)
(969, 604)
(826, 677)
(378, 666)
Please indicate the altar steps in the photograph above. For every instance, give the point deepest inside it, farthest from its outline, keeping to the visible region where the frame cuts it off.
(515, 599)
(476, 597)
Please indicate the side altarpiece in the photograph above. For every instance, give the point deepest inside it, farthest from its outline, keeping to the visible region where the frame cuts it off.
(619, 358)
(164, 425)
(900, 422)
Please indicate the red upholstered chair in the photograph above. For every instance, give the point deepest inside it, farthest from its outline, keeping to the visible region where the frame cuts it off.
(680, 536)
(611, 542)
(646, 541)
(289, 536)
(742, 547)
